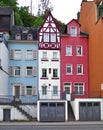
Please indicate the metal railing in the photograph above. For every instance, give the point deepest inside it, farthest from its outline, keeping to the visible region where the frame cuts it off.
(7, 99)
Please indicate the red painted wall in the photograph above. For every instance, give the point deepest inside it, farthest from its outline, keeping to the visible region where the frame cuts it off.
(74, 60)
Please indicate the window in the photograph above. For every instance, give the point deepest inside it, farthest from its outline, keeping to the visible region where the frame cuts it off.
(68, 50)
(79, 88)
(69, 69)
(29, 54)
(44, 55)
(79, 69)
(53, 37)
(67, 87)
(55, 73)
(29, 37)
(46, 37)
(18, 37)
(55, 56)
(44, 73)
(29, 71)
(17, 54)
(29, 90)
(55, 90)
(79, 51)
(16, 71)
(73, 31)
(44, 90)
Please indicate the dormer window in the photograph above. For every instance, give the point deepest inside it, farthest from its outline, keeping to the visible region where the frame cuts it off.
(53, 37)
(18, 37)
(73, 31)
(29, 37)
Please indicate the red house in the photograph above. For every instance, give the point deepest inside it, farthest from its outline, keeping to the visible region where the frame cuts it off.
(74, 62)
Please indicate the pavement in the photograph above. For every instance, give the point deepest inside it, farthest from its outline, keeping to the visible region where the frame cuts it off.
(54, 123)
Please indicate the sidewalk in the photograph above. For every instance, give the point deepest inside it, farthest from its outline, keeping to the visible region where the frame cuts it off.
(53, 123)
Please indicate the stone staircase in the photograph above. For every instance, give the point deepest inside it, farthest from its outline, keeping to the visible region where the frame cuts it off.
(71, 116)
(29, 117)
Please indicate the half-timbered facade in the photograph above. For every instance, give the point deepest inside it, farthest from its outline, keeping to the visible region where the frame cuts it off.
(49, 59)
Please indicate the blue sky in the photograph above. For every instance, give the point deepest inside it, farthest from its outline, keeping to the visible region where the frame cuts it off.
(63, 10)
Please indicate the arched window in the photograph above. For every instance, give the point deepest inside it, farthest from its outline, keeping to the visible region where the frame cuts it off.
(18, 36)
(30, 37)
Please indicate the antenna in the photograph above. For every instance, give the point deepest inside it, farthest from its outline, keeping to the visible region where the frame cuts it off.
(31, 6)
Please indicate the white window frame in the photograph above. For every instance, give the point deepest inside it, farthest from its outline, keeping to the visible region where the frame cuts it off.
(46, 37)
(28, 53)
(67, 85)
(53, 37)
(17, 54)
(79, 86)
(44, 90)
(18, 36)
(71, 69)
(55, 90)
(73, 31)
(29, 89)
(55, 55)
(29, 70)
(68, 50)
(55, 73)
(17, 68)
(79, 69)
(44, 55)
(81, 50)
(44, 74)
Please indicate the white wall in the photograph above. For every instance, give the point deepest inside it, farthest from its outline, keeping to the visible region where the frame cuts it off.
(49, 82)
(75, 105)
(4, 64)
(16, 114)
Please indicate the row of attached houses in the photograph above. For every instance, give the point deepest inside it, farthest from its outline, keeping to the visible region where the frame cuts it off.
(46, 73)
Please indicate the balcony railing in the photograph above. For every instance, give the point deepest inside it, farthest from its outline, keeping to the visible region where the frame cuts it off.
(7, 99)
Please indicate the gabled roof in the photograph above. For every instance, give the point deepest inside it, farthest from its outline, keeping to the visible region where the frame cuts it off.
(23, 31)
(49, 13)
(75, 21)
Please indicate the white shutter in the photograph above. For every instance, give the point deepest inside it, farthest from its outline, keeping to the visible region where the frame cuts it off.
(34, 54)
(34, 71)
(34, 90)
(12, 54)
(11, 71)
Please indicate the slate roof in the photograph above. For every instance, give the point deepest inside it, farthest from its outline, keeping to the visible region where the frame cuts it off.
(6, 10)
(23, 32)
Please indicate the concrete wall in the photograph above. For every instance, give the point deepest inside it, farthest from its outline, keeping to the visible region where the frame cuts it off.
(75, 106)
(16, 114)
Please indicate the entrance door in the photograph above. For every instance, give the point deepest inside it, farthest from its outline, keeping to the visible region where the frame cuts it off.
(68, 91)
(6, 115)
(17, 92)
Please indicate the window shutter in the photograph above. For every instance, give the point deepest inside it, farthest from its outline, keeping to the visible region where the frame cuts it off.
(11, 54)
(23, 90)
(34, 54)
(34, 71)
(34, 90)
(11, 71)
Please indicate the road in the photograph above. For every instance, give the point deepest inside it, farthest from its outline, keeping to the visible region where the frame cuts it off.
(51, 126)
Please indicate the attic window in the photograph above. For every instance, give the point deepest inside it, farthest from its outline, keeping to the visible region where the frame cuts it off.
(24, 31)
(29, 37)
(18, 37)
(73, 31)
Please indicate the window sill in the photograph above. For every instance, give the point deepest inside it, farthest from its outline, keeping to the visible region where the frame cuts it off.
(44, 60)
(55, 78)
(43, 78)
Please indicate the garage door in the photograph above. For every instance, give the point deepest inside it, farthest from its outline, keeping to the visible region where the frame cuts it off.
(52, 111)
(89, 111)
